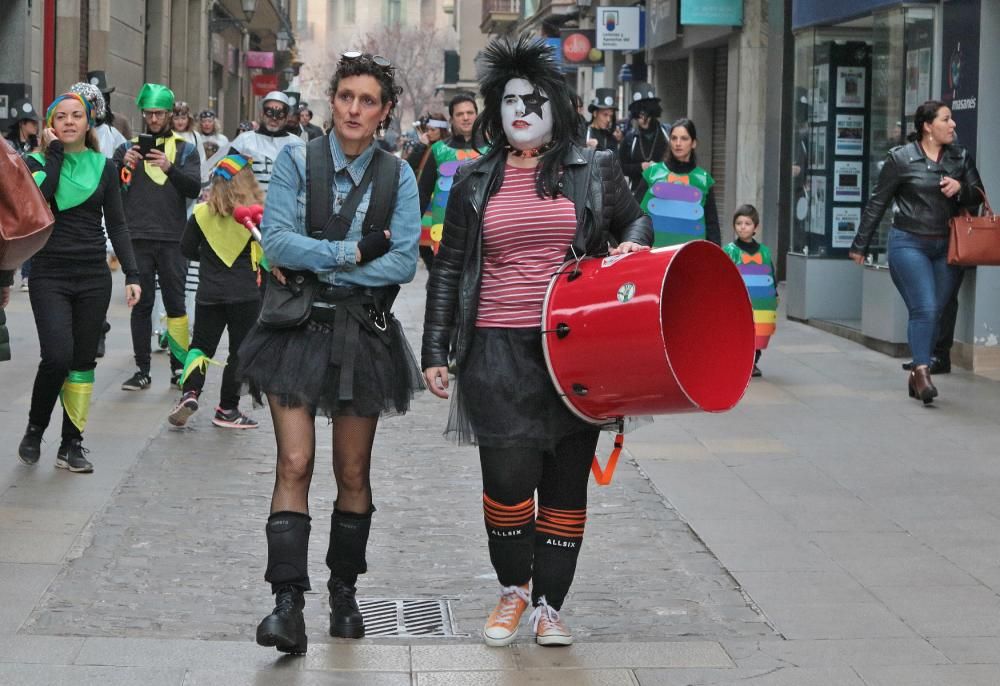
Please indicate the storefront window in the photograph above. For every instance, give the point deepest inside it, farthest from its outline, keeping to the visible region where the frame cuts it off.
(902, 71)
(832, 96)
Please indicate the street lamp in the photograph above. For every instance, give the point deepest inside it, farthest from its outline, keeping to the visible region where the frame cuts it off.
(281, 40)
(249, 7)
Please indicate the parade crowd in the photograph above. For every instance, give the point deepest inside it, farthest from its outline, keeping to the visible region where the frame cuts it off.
(295, 239)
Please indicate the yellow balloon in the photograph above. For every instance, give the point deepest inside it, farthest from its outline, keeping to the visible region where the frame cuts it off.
(595, 55)
(437, 231)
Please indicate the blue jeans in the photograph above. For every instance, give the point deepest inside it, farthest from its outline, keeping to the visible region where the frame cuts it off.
(920, 270)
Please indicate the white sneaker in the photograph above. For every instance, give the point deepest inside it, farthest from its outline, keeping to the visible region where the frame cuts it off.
(501, 627)
(549, 629)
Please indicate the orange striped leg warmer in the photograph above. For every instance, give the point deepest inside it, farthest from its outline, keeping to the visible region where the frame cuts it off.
(558, 538)
(510, 529)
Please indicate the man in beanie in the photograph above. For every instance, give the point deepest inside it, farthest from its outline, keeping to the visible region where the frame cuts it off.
(646, 144)
(156, 185)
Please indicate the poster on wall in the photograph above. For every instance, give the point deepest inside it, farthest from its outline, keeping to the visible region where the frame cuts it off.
(918, 78)
(817, 147)
(821, 92)
(847, 181)
(817, 204)
(845, 225)
(850, 86)
(960, 65)
(850, 135)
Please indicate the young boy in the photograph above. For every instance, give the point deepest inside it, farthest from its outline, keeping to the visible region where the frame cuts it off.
(754, 263)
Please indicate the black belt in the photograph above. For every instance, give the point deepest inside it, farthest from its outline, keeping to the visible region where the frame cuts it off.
(347, 309)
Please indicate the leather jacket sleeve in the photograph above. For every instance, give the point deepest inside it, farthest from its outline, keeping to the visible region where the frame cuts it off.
(442, 286)
(881, 197)
(973, 191)
(628, 223)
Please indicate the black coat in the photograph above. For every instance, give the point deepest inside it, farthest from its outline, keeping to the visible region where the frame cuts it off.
(912, 182)
(605, 213)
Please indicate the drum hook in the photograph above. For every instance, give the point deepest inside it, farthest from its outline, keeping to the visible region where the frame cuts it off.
(576, 267)
(603, 476)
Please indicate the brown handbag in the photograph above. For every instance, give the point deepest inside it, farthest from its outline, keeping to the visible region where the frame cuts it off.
(25, 217)
(974, 241)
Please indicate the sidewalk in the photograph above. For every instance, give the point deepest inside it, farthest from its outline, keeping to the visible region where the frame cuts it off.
(828, 531)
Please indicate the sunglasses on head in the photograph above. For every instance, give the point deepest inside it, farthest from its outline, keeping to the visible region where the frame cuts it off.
(377, 60)
(276, 112)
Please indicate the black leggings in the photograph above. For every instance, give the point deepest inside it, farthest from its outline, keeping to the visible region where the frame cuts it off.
(69, 315)
(157, 261)
(209, 323)
(543, 548)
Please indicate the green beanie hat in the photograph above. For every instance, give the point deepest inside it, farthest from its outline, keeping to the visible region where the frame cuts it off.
(155, 96)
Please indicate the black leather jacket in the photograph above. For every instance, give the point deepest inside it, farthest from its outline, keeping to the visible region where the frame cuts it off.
(606, 213)
(912, 181)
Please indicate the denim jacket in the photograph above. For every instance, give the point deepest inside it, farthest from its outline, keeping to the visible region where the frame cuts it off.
(285, 238)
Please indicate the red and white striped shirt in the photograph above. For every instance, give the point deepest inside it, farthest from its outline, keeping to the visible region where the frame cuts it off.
(525, 239)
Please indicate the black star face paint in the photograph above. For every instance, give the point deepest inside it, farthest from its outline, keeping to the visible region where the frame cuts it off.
(526, 114)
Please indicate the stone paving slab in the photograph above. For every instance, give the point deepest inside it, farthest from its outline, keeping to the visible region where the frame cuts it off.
(68, 675)
(771, 654)
(663, 654)
(199, 677)
(781, 676)
(604, 677)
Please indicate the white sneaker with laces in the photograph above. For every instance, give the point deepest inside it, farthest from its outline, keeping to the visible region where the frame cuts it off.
(501, 627)
(549, 629)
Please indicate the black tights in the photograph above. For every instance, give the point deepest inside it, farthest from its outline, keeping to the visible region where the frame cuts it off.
(543, 548)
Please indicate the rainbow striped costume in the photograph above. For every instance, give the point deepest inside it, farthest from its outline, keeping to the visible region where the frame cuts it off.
(676, 203)
(757, 271)
(448, 160)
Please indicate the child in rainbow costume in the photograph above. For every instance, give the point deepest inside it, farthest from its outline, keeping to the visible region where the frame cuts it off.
(228, 296)
(753, 260)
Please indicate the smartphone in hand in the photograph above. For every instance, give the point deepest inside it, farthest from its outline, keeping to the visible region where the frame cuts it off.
(146, 143)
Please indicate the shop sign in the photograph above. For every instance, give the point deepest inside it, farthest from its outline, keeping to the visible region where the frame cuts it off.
(262, 84)
(619, 28)
(712, 12)
(260, 60)
(960, 65)
(813, 12)
(661, 22)
(579, 46)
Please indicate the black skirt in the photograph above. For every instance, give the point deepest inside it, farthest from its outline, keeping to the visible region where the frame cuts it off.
(504, 397)
(300, 368)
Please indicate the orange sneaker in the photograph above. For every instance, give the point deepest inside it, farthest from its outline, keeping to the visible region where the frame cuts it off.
(549, 629)
(501, 627)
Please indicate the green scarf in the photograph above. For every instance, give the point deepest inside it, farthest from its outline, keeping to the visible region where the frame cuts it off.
(81, 173)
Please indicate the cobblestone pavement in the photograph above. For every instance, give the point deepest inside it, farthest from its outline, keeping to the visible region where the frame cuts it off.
(179, 550)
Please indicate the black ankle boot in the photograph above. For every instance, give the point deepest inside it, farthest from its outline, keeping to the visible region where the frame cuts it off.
(346, 620)
(285, 627)
(30, 448)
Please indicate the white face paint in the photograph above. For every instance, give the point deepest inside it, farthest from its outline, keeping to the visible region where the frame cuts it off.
(526, 114)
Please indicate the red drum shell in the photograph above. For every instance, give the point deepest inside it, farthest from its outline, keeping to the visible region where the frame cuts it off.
(655, 332)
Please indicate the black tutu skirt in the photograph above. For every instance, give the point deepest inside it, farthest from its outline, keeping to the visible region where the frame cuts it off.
(298, 367)
(504, 397)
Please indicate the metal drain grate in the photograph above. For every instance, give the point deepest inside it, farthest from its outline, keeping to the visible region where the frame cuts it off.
(408, 617)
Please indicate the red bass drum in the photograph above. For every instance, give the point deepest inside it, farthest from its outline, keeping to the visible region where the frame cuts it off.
(653, 332)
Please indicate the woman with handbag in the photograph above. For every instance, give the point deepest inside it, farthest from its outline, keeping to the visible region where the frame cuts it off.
(930, 179)
(347, 358)
(511, 222)
(70, 279)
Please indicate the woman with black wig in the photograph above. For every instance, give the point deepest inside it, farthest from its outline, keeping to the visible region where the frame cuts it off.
(349, 361)
(514, 216)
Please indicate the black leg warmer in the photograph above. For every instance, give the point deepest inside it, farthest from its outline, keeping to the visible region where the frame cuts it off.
(288, 550)
(348, 541)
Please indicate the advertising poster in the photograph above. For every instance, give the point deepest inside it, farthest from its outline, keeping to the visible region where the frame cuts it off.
(845, 225)
(817, 147)
(847, 181)
(850, 135)
(960, 64)
(618, 28)
(918, 78)
(817, 204)
(850, 86)
(821, 92)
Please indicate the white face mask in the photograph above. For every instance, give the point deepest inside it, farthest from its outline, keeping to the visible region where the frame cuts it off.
(526, 114)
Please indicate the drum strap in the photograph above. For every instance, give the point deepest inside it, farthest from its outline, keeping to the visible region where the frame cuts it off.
(603, 476)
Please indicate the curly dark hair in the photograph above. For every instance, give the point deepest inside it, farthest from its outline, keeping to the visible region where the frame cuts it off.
(364, 65)
(926, 114)
(528, 58)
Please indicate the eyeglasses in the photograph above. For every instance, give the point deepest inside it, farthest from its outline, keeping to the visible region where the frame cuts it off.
(154, 114)
(377, 60)
(276, 112)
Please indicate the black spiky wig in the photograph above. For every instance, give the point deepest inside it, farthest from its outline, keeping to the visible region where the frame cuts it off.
(528, 58)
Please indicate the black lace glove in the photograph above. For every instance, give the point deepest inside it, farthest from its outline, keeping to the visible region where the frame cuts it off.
(372, 246)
